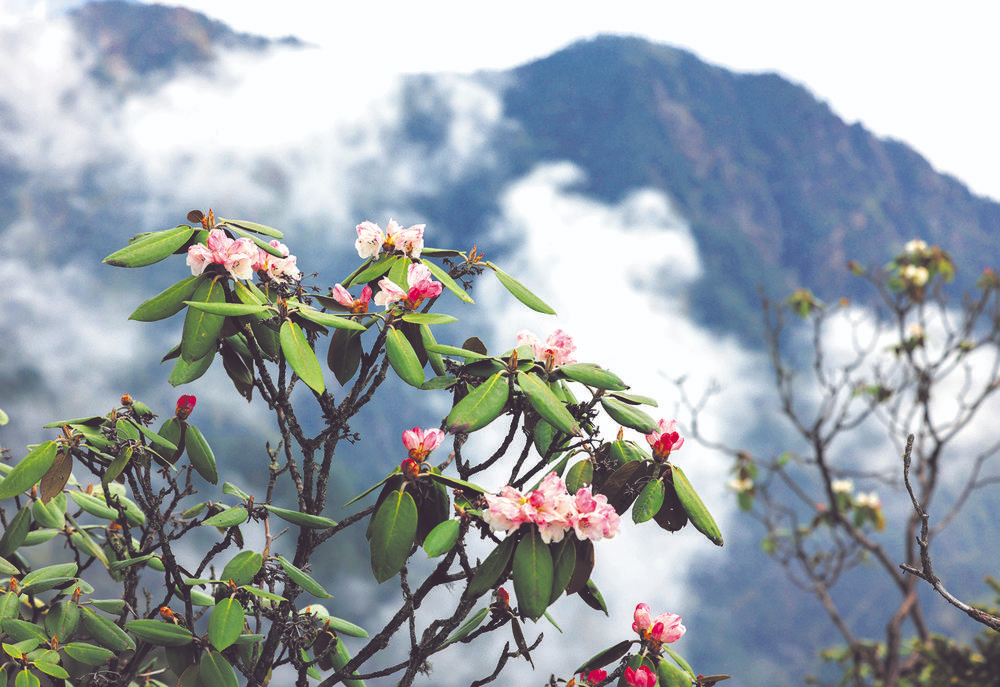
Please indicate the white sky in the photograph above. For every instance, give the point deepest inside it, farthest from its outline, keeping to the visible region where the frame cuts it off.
(922, 72)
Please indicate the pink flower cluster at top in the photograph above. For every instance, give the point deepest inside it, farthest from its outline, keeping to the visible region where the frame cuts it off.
(663, 629)
(557, 350)
(554, 511)
(420, 442)
(355, 305)
(241, 258)
(666, 440)
(371, 240)
(640, 677)
(422, 286)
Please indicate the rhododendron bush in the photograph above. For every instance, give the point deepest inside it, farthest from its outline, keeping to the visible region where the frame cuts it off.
(119, 494)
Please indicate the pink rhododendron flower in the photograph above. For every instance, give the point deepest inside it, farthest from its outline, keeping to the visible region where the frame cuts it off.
(557, 349)
(356, 305)
(237, 256)
(282, 268)
(371, 240)
(421, 284)
(185, 404)
(592, 678)
(641, 677)
(420, 442)
(666, 440)
(665, 628)
(553, 511)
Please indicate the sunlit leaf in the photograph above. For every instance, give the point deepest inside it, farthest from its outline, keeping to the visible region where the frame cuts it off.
(328, 319)
(394, 528)
(696, 510)
(628, 415)
(492, 568)
(546, 404)
(225, 623)
(200, 454)
(649, 501)
(442, 538)
(105, 632)
(301, 356)
(202, 329)
(151, 249)
(168, 302)
(29, 470)
(160, 633)
(295, 517)
(532, 574)
(242, 568)
(592, 375)
(448, 282)
(302, 579)
(520, 291)
(228, 309)
(403, 358)
(480, 407)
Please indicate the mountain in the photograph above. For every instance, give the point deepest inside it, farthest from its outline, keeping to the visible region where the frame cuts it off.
(625, 177)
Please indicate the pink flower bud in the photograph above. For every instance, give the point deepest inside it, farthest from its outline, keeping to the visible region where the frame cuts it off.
(642, 677)
(185, 404)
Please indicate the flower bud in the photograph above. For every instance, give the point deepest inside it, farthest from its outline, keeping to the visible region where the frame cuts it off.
(185, 404)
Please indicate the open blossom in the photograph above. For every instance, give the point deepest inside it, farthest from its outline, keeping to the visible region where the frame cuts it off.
(237, 256)
(554, 511)
(917, 276)
(420, 442)
(371, 240)
(640, 677)
(665, 628)
(282, 268)
(915, 247)
(557, 350)
(666, 440)
(421, 286)
(864, 500)
(355, 305)
(842, 486)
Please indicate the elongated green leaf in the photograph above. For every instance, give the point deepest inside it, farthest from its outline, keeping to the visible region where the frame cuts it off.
(304, 580)
(394, 476)
(628, 415)
(603, 658)
(29, 470)
(228, 518)
(215, 670)
(374, 270)
(160, 633)
(635, 399)
(25, 678)
(455, 351)
(38, 578)
(94, 505)
(448, 282)
(151, 249)
(105, 632)
(301, 356)
(442, 538)
(490, 570)
(700, 517)
(251, 226)
(23, 631)
(344, 355)
(263, 245)
(591, 596)
(168, 302)
(201, 329)
(403, 358)
(434, 358)
(394, 528)
(520, 291)
(679, 660)
(480, 407)
(88, 654)
(185, 372)
(563, 565)
(649, 501)
(339, 659)
(233, 490)
(580, 475)
(62, 619)
(442, 382)
(456, 483)
(592, 375)
(225, 624)
(17, 529)
(474, 621)
(8, 568)
(546, 404)
(228, 309)
(4, 418)
(51, 668)
(200, 454)
(348, 628)
(428, 318)
(242, 568)
(669, 675)
(328, 319)
(295, 517)
(532, 574)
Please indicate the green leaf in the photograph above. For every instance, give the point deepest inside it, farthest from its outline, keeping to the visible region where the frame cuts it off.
(441, 382)
(428, 318)
(609, 655)
(185, 372)
(215, 670)
(700, 517)
(200, 454)
(29, 470)
(4, 418)
(532, 575)
(168, 302)
(490, 570)
(295, 517)
(242, 568)
(448, 282)
(394, 528)
(344, 355)
(160, 633)
(88, 654)
(22, 630)
(233, 490)
(301, 356)
(339, 659)
(580, 475)
(8, 568)
(628, 415)
(17, 530)
(228, 309)
(680, 661)
(304, 580)
(546, 404)
(442, 538)
(347, 628)
(330, 320)
(374, 270)
(225, 624)
(456, 483)
(62, 619)
(201, 329)
(403, 358)
(592, 375)
(455, 351)
(395, 475)
(151, 249)
(106, 632)
(251, 226)
(480, 407)
(635, 399)
(468, 626)
(669, 675)
(52, 668)
(591, 596)
(25, 678)
(93, 505)
(649, 501)
(228, 518)
(38, 580)
(563, 564)
(520, 291)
